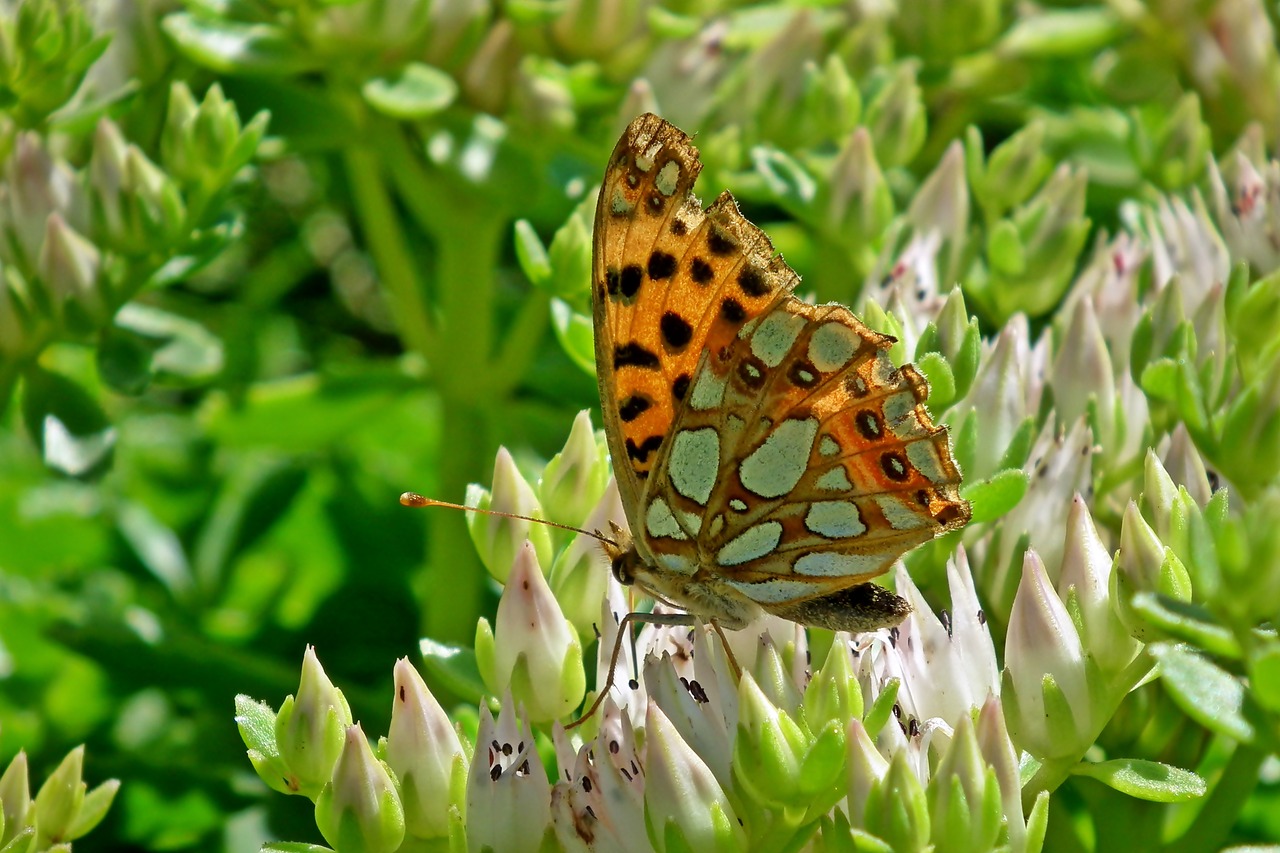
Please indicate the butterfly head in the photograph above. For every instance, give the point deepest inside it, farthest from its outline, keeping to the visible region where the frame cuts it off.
(622, 554)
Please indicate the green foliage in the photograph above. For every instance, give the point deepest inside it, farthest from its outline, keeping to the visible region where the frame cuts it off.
(265, 265)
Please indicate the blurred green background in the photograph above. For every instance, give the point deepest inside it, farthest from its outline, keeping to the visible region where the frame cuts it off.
(308, 212)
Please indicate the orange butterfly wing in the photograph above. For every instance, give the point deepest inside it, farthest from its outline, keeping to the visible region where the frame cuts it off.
(767, 452)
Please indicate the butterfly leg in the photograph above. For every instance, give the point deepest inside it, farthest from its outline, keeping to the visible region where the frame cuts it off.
(724, 642)
(671, 619)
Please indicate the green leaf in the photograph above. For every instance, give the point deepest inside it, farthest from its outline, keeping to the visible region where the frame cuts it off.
(1145, 780)
(942, 382)
(229, 47)
(575, 333)
(294, 847)
(185, 352)
(1062, 33)
(993, 497)
(455, 667)
(417, 92)
(1188, 622)
(531, 254)
(878, 714)
(124, 360)
(1264, 675)
(257, 723)
(1205, 692)
(68, 424)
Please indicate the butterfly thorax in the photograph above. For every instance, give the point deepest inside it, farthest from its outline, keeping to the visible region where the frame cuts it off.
(700, 595)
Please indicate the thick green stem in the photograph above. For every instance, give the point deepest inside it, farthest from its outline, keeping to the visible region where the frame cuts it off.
(385, 239)
(1220, 809)
(450, 587)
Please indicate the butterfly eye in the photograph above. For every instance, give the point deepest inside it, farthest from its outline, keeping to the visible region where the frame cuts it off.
(621, 572)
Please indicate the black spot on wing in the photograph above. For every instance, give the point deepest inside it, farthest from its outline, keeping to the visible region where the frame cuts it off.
(676, 332)
(633, 407)
(634, 355)
(641, 452)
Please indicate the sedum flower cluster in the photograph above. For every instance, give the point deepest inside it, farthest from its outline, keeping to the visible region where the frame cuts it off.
(1112, 401)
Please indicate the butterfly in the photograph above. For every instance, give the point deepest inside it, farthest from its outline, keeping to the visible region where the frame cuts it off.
(769, 455)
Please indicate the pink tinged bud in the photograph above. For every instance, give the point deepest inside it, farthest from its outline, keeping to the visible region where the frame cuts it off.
(1001, 755)
(424, 752)
(1061, 466)
(970, 634)
(942, 203)
(533, 651)
(685, 807)
(498, 539)
(508, 795)
(1146, 565)
(1083, 374)
(15, 799)
(69, 266)
(867, 767)
(999, 400)
(1086, 577)
(1185, 465)
(311, 729)
(700, 704)
(39, 187)
(359, 810)
(1045, 668)
(860, 204)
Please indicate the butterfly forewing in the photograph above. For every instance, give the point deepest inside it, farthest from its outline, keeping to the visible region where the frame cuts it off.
(667, 286)
(768, 452)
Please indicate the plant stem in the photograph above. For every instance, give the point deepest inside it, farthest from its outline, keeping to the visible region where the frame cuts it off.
(382, 233)
(1219, 810)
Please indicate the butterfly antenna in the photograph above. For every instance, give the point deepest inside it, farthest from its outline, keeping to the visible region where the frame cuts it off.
(413, 499)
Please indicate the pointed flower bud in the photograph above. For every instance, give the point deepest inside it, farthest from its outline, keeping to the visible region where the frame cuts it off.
(15, 799)
(833, 693)
(781, 765)
(1013, 171)
(533, 651)
(685, 807)
(1146, 564)
(1086, 579)
(508, 795)
(867, 767)
(1242, 193)
(311, 730)
(69, 266)
(38, 186)
(1001, 756)
(359, 809)
(1045, 669)
(897, 810)
(941, 206)
(575, 477)
(498, 539)
(1083, 375)
(858, 202)
(1185, 465)
(425, 753)
(64, 808)
(896, 117)
(1049, 231)
(964, 796)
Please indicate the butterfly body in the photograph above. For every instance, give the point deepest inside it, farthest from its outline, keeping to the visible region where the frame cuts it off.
(768, 453)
